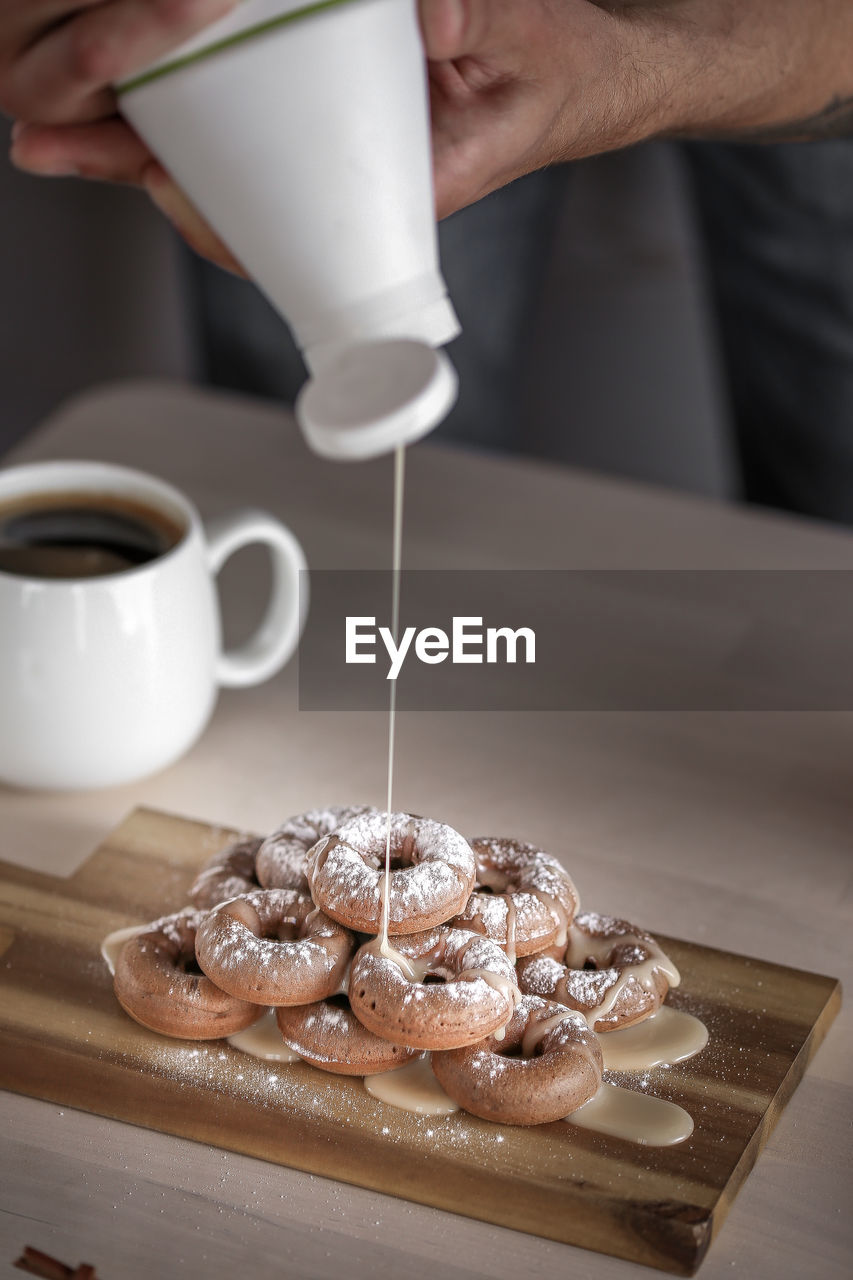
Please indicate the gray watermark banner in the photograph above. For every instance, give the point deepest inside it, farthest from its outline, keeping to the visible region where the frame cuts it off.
(600, 640)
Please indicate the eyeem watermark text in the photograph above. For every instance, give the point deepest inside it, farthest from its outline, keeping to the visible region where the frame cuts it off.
(468, 642)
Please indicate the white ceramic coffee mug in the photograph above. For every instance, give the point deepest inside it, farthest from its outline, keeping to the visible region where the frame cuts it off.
(106, 679)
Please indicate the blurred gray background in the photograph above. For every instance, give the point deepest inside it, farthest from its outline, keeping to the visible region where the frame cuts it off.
(614, 355)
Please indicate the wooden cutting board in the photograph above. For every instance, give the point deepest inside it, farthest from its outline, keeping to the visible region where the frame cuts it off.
(66, 1040)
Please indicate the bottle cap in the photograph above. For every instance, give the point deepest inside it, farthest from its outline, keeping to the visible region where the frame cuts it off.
(375, 396)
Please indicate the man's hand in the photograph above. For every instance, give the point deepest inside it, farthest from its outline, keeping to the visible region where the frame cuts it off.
(58, 58)
(58, 61)
(520, 84)
(515, 84)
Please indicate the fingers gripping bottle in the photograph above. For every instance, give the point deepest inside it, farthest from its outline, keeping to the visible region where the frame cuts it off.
(301, 132)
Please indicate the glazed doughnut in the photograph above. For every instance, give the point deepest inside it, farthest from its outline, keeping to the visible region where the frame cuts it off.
(329, 1035)
(227, 874)
(273, 947)
(611, 972)
(281, 857)
(475, 995)
(431, 878)
(523, 898)
(159, 984)
(560, 1068)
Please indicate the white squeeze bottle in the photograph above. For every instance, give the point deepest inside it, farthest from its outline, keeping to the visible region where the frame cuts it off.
(301, 132)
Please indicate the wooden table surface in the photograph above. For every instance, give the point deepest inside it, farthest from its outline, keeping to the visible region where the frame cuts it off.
(734, 830)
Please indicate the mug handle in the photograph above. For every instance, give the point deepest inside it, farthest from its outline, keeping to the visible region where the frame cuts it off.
(278, 634)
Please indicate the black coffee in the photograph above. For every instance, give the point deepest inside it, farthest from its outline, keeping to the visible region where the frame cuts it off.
(81, 535)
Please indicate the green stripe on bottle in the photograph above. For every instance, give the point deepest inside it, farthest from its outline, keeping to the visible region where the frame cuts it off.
(239, 37)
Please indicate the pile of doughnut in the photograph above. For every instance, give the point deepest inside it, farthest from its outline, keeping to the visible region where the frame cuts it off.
(484, 960)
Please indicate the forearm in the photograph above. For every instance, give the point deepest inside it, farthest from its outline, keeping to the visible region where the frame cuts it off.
(518, 84)
(750, 70)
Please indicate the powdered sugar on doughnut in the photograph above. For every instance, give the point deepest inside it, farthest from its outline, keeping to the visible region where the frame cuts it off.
(155, 983)
(274, 947)
(412, 837)
(523, 898)
(346, 873)
(613, 973)
(559, 1069)
(227, 874)
(543, 976)
(281, 857)
(172, 927)
(329, 1035)
(412, 896)
(475, 997)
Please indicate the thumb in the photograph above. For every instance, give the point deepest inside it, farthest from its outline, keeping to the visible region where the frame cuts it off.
(453, 28)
